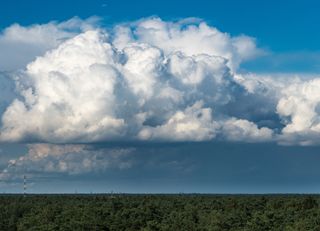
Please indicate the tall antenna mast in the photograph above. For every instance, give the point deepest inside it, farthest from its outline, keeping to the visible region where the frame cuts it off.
(24, 185)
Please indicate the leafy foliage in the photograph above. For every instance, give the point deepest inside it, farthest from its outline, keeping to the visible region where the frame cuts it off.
(159, 212)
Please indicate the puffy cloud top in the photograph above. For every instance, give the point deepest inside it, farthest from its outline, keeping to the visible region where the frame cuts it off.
(299, 108)
(191, 37)
(19, 45)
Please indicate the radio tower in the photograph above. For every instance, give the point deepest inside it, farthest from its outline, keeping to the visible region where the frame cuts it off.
(24, 185)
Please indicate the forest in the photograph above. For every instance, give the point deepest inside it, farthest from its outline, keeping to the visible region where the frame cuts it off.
(159, 212)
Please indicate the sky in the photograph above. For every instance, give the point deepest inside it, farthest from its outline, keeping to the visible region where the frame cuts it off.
(159, 96)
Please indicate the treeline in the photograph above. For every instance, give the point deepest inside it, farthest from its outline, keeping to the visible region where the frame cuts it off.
(159, 212)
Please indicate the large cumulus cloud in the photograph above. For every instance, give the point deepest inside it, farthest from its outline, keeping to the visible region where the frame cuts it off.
(152, 80)
(74, 84)
(149, 80)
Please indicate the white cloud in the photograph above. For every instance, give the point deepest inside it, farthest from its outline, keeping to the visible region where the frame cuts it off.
(240, 129)
(193, 124)
(294, 98)
(66, 159)
(152, 80)
(191, 37)
(20, 45)
(71, 94)
(299, 107)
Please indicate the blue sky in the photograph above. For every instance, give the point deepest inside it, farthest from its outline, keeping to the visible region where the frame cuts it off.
(258, 133)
